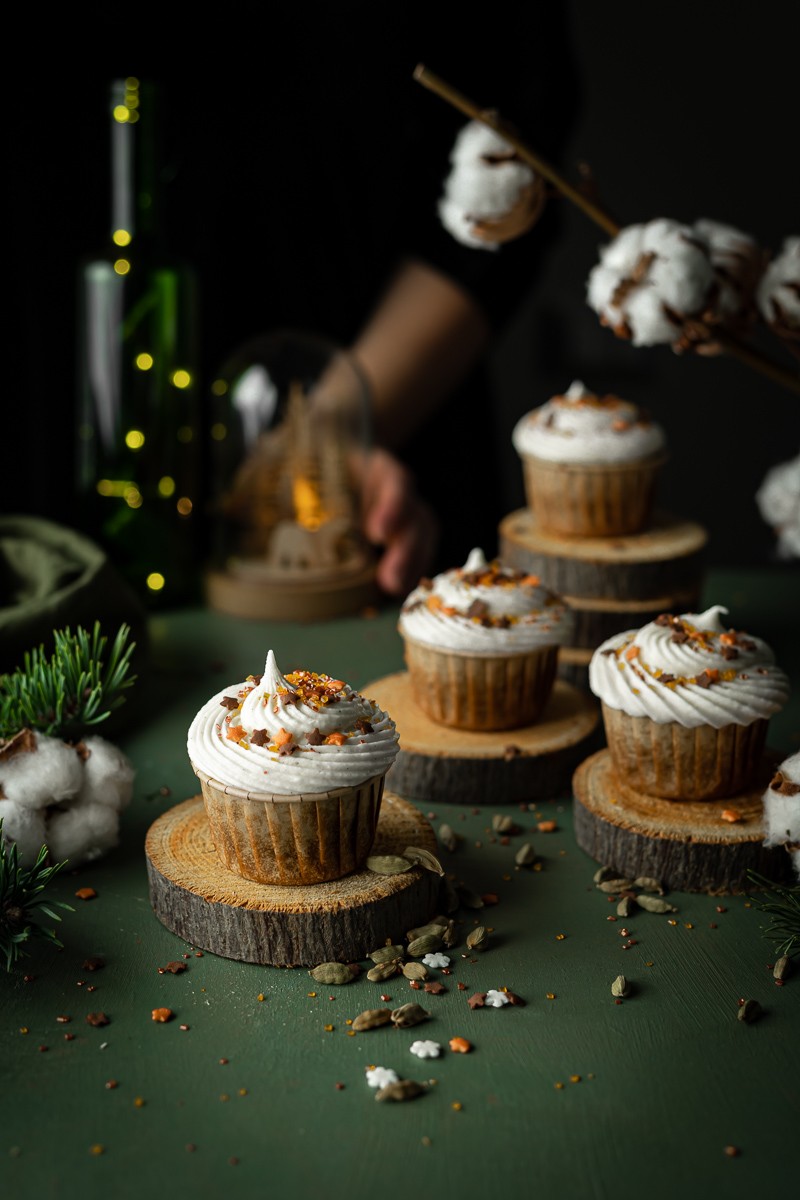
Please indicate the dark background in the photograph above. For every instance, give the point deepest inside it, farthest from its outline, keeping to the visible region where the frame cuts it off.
(684, 110)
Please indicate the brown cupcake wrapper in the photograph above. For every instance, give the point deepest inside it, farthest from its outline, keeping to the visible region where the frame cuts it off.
(589, 500)
(292, 840)
(677, 763)
(481, 692)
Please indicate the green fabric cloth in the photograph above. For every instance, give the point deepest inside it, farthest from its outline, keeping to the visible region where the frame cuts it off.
(50, 577)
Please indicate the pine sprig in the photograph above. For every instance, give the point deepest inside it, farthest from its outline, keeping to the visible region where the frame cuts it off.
(782, 903)
(22, 900)
(71, 689)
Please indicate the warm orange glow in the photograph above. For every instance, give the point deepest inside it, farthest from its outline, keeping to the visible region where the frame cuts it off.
(307, 503)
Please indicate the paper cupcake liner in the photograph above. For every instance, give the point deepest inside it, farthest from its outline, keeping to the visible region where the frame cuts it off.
(481, 692)
(292, 840)
(677, 763)
(589, 500)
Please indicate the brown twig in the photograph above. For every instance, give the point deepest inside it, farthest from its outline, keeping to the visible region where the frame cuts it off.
(731, 345)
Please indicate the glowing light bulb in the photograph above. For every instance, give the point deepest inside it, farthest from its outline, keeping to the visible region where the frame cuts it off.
(121, 237)
(219, 387)
(133, 497)
(122, 266)
(184, 506)
(155, 581)
(121, 113)
(181, 379)
(166, 486)
(144, 361)
(218, 431)
(134, 439)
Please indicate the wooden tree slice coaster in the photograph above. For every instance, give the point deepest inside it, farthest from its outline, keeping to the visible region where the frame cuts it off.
(664, 560)
(437, 764)
(596, 620)
(687, 845)
(238, 595)
(200, 900)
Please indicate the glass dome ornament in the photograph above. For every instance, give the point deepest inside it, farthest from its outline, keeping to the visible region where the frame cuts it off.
(289, 445)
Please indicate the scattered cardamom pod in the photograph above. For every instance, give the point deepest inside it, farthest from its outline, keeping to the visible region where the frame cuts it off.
(502, 824)
(467, 897)
(448, 838)
(386, 954)
(620, 986)
(604, 873)
(648, 884)
(782, 967)
(423, 858)
(627, 906)
(403, 1089)
(427, 944)
(750, 1011)
(382, 972)
(332, 973)
(388, 864)
(409, 1014)
(372, 1018)
(423, 930)
(478, 939)
(415, 970)
(451, 936)
(655, 904)
(525, 855)
(615, 885)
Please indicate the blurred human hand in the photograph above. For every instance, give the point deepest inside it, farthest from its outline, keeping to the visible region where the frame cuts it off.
(395, 518)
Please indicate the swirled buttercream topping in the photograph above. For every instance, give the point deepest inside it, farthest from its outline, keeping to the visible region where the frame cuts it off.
(580, 427)
(291, 735)
(485, 608)
(690, 670)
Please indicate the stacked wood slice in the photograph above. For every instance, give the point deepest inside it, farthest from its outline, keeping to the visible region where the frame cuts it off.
(611, 583)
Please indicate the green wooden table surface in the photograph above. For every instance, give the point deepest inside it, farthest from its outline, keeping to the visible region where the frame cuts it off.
(258, 1097)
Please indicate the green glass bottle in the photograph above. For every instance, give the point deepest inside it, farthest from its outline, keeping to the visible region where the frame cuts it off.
(138, 422)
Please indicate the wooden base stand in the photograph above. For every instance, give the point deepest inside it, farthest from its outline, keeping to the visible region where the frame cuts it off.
(685, 844)
(197, 898)
(242, 595)
(437, 764)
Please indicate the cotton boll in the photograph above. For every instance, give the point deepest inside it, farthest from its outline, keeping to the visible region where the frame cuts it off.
(781, 808)
(476, 140)
(778, 293)
(51, 773)
(26, 827)
(459, 224)
(737, 262)
(82, 833)
(649, 323)
(602, 284)
(485, 191)
(683, 281)
(778, 501)
(625, 251)
(107, 775)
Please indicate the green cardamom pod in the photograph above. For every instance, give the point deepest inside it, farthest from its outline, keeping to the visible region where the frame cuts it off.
(609, 886)
(332, 973)
(648, 884)
(604, 873)
(433, 928)
(383, 972)
(386, 954)
(451, 936)
(525, 855)
(501, 823)
(620, 986)
(655, 904)
(403, 1089)
(448, 838)
(627, 906)
(409, 1014)
(750, 1011)
(423, 858)
(478, 939)
(388, 864)
(415, 970)
(427, 944)
(372, 1018)
(782, 967)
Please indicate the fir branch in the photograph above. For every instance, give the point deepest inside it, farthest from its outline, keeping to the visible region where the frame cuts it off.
(782, 904)
(22, 899)
(72, 689)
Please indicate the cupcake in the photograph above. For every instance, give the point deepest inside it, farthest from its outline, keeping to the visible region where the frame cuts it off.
(686, 704)
(590, 463)
(292, 771)
(782, 809)
(481, 644)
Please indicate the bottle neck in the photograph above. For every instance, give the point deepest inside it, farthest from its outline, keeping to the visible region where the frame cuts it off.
(135, 207)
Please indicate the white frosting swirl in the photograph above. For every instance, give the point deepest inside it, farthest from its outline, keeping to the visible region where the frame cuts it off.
(580, 427)
(292, 719)
(689, 670)
(484, 608)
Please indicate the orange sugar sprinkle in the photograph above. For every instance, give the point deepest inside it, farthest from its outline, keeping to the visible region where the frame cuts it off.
(335, 739)
(235, 733)
(632, 652)
(282, 737)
